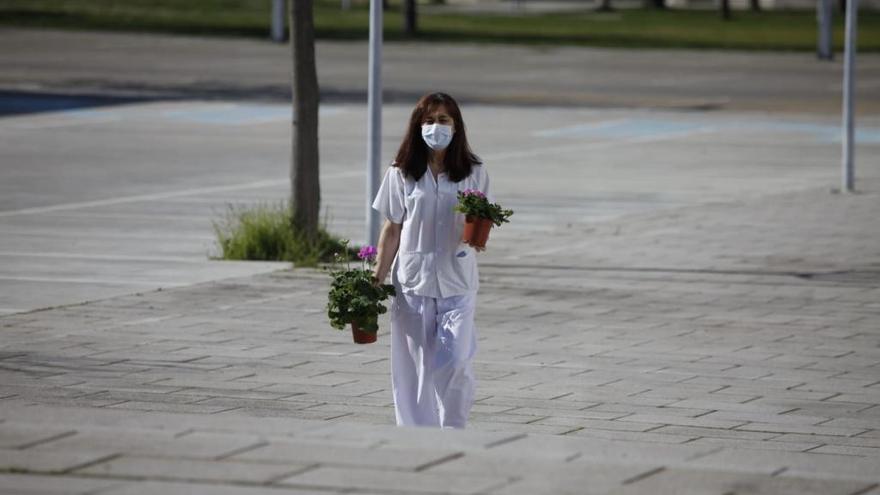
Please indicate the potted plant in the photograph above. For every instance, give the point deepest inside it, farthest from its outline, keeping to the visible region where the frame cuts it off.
(480, 215)
(356, 296)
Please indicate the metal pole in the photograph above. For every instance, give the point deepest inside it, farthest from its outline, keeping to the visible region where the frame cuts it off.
(824, 13)
(849, 69)
(277, 30)
(374, 126)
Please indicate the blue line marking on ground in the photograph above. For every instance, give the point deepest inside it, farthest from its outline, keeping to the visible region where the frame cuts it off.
(622, 129)
(232, 114)
(645, 128)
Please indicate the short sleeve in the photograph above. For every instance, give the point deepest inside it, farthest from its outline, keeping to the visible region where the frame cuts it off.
(484, 184)
(389, 199)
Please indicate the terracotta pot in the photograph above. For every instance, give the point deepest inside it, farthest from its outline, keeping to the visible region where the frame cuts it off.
(362, 336)
(476, 230)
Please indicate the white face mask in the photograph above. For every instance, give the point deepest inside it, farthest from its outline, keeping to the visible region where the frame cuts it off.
(437, 136)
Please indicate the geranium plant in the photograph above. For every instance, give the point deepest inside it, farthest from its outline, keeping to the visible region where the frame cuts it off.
(355, 295)
(473, 203)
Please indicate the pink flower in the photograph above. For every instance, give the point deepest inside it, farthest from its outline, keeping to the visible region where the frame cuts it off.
(474, 192)
(367, 253)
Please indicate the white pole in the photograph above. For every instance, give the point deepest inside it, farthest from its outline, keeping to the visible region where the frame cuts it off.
(849, 76)
(824, 13)
(278, 14)
(374, 126)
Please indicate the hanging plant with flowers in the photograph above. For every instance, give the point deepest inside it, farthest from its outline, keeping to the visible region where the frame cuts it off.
(356, 297)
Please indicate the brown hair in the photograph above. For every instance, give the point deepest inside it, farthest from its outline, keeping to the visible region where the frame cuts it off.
(412, 157)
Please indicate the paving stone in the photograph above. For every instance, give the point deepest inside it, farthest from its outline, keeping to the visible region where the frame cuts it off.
(408, 437)
(21, 436)
(401, 482)
(790, 418)
(580, 480)
(758, 444)
(706, 421)
(171, 468)
(601, 450)
(696, 431)
(36, 461)
(631, 436)
(321, 453)
(803, 464)
(48, 485)
(676, 481)
(795, 428)
(178, 488)
(153, 442)
(857, 441)
(847, 450)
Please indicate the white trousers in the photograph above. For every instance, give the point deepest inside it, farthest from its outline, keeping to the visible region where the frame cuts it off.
(433, 342)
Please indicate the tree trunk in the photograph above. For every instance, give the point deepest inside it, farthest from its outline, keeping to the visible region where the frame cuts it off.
(605, 6)
(409, 17)
(306, 189)
(725, 10)
(657, 4)
(755, 5)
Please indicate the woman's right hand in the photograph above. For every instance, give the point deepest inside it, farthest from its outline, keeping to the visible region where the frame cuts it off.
(389, 241)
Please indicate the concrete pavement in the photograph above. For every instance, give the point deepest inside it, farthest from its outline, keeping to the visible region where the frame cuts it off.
(718, 376)
(193, 67)
(113, 199)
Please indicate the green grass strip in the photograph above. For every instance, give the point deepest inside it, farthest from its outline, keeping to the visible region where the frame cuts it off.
(769, 30)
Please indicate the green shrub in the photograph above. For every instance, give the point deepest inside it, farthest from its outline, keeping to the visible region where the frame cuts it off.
(265, 232)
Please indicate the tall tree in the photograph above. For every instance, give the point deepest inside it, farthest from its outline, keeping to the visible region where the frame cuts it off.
(306, 189)
(725, 10)
(409, 17)
(604, 6)
(755, 5)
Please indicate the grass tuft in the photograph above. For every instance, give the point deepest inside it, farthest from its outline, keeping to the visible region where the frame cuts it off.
(265, 232)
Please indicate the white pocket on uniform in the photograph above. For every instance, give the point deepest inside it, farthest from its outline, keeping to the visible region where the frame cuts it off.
(410, 268)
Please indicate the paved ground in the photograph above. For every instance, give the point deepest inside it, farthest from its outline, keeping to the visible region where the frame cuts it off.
(115, 199)
(714, 374)
(690, 311)
(124, 64)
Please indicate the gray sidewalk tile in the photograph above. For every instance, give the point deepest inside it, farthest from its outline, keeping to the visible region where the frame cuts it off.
(759, 444)
(796, 428)
(172, 468)
(676, 481)
(36, 461)
(52, 485)
(313, 452)
(401, 482)
(153, 443)
(178, 488)
(803, 464)
(637, 436)
(573, 480)
(22, 436)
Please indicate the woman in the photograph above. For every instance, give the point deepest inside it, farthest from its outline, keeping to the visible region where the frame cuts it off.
(433, 338)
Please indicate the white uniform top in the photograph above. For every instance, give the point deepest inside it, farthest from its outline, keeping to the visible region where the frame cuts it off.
(431, 259)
